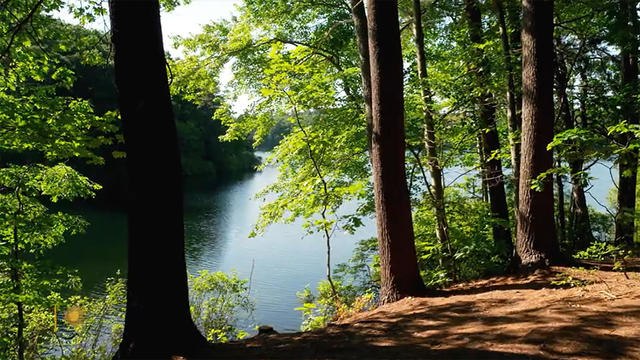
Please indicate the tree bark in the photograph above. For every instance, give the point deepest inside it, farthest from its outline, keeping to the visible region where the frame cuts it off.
(536, 241)
(514, 118)
(399, 272)
(628, 160)
(158, 323)
(437, 187)
(359, 17)
(490, 139)
(484, 187)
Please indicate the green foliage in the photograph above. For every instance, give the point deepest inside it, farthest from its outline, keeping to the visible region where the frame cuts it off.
(601, 251)
(567, 280)
(601, 225)
(28, 230)
(321, 308)
(203, 154)
(217, 302)
(42, 129)
(475, 254)
(92, 326)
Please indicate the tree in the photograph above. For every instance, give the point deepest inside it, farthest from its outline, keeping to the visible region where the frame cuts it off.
(435, 169)
(514, 101)
(43, 130)
(398, 267)
(628, 159)
(578, 234)
(490, 142)
(158, 323)
(536, 242)
(359, 17)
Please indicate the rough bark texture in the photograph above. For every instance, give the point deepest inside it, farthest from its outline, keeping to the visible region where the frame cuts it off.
(536, 241)
(437, 187)
(628, 161)
(359, 17)
(399, 273)
(158, 322)
(514, 101)
(490, 140)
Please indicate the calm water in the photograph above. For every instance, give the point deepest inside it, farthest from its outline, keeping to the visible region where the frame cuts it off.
(217, 224)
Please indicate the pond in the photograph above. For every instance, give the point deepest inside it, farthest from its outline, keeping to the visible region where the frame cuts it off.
(218, 221)
(279, 263)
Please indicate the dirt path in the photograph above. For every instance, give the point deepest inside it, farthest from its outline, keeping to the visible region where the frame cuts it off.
(595, 315)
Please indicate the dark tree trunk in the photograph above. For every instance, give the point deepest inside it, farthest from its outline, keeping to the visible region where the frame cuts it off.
(359, 17)
(437, 187)
(399, 272)
(514, 101)
(536, 241)
(158, 322)
(490, 140)
(628, 160)
(484, 187)
(578, 233)
(579, 221)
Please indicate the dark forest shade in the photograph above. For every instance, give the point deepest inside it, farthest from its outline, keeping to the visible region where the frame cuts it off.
(536, 242)
(398, 266)
(158, 322)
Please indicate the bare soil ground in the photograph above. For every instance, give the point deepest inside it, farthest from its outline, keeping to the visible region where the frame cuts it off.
(593, 315)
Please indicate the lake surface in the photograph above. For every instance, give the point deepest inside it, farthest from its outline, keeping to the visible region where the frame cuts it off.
(217, 223)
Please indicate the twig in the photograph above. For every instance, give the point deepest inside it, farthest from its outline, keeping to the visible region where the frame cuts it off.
(19, 27)
(253, 263)
(608, 294)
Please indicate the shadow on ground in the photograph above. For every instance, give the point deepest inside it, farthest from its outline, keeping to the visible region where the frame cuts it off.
(499, 318)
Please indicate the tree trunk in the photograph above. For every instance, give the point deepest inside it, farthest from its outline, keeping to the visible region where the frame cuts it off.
(514, 119)
(484, 187)
(628, 160)
(490, 140)
(17, 281)
(536, 241)
(399, 272)
(579, 220)
(158, 322)
(578, 233)
(562, 217)
(359, 17)
(437, 187)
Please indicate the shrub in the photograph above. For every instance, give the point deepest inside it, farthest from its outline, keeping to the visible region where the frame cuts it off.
(217, 302)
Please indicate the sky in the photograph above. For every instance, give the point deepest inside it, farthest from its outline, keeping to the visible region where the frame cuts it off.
(185, 20)
(188, 19)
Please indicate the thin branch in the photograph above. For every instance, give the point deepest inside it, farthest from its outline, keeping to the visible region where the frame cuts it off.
(19, 27)
(601, 204)
(325, 188)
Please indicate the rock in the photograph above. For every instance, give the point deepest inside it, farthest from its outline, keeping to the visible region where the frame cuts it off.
(266, 330)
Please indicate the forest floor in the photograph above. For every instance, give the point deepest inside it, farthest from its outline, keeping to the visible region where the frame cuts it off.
(562, 313)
